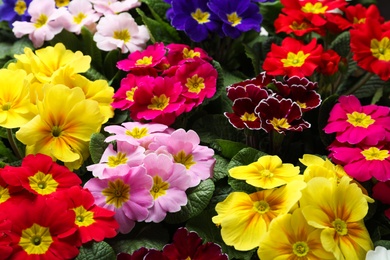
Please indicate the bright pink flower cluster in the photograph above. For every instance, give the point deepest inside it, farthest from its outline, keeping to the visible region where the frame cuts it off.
(256, 106)
(46, 214)
(164, 82)
(145, 172)
(362, 138)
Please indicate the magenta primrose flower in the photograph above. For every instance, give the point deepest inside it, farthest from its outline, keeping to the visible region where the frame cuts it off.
(184, 148)
(128, 195)
(354, 123)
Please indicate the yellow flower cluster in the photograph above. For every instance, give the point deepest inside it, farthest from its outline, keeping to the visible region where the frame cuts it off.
(315, 215)
(55, 108)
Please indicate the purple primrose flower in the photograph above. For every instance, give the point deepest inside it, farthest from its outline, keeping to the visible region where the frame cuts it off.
(14, 10)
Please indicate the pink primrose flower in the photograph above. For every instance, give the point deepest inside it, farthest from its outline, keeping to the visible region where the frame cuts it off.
(46, 22)
(128, 195)
(118, 162)
(81, 14)
(107, 7)
(135, 133)
(170, 181)
(179, 53)
(184, 149)
(354, 123)
(120, 31)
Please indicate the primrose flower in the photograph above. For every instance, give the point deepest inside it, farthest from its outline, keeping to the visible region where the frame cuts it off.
(245, 218)
(107, 7)
(135, 133)
(338, 210)
(16, 108)
(120, 31)
(354, 123)
(14, 10)
(46, 22)
(194, 18)
(237, 16)
(62, 137)
(180, 53)
(126, 194)
(289, 236)
(370, 47)
(267, 173)
(184, 148)
(297, 24)
(293, 58)
(379, 252)
(170, 181)
(358, 14)
(81, 14)
(119, 161)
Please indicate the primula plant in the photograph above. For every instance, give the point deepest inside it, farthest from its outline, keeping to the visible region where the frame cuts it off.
(205, 129)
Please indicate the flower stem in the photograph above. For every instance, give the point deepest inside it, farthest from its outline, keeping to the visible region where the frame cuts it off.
(12, 142)
(360, 83)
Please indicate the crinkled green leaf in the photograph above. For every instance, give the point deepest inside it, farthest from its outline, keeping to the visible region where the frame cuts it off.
(245, 156)
(110, 69)
(323, 116)
(97, 146)
(5, 48)
(341, 44)
(198, 199)
(160, 31)
(94, 250)
(208, 231)
(6, 154)
(370, 87)
(384, 243)
(67, 38)
(90, 48)
(270, 11)
(158, 8)
(19, 45)
(229, 148)
(220, 168)
(148, 235)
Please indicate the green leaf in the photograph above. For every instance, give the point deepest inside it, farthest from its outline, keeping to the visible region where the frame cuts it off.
(384, 243)
(323, 115)
(198, 199)
(229, 148)
(7, 153)
(67, 38)
(220, 168)
(158, 8)
(19, 45)
(245, 156)
(148, 235)
(160, 31)
(5, 48)
(270, 11)
(206, 229)
(341, 44)
(370, 87)
(93, 251)
(255, 54)
(97, 146)
(90, 48)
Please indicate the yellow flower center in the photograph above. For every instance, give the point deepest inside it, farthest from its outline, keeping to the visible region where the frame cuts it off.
(302, 105)
(159, 102)
(137, 132)
(35, 240)
(279, 124)
(373, 153)
(4, 194)
(195, 84)
(248, 117)
(360, 119)
(261, 206)
(234, 19)
(186, 159)
(188, 258)
(122, 35)
(41, 21)
(266, 173)
(200, 17)
(190, 54)
(130, 94)
(43, 184)
(20, 7)
(115, 160)
(340, 226)
(317, 8)
(84, 218)
(159, 188)
(381, 49)
(147, 60)
(60, 3)
(301, 249)
(79, 18)
(56, 131)
(299, 26)
(295, 59)
(116, 193)
(6, 106)
(359, 21)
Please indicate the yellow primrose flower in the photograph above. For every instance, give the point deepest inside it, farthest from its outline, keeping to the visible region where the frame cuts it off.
(244, 218)
(63, 126)
(268, 172)
(97, 90)
(338, 210)
(318, 167)
(15, 106)
(290, 237)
